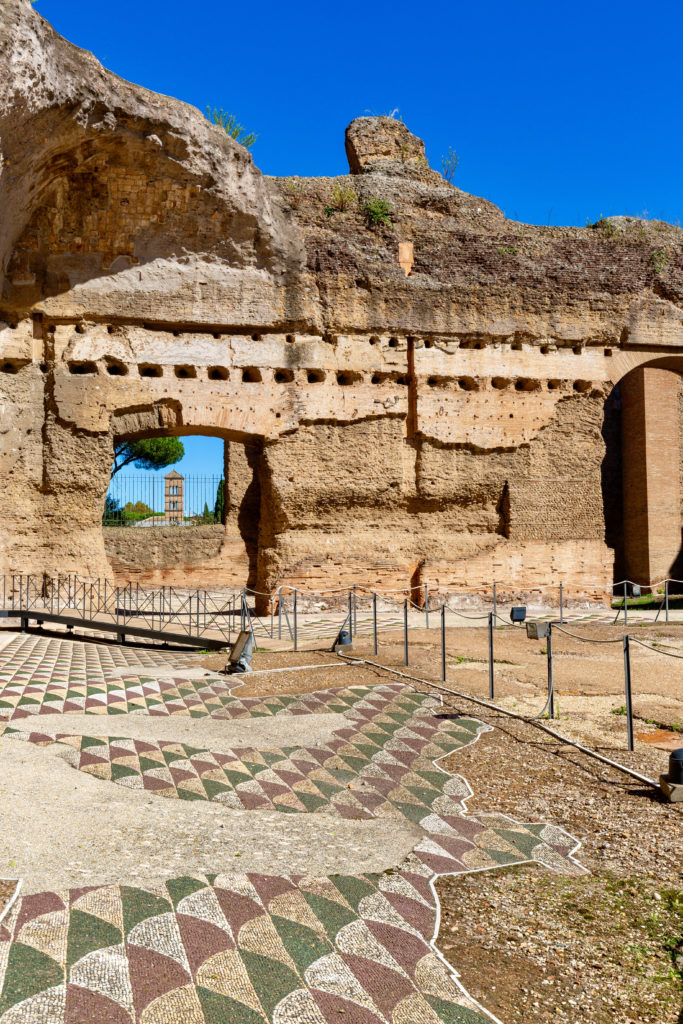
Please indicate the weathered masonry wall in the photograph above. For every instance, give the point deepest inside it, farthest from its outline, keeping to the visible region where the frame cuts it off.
(450, 417)
(163, 554)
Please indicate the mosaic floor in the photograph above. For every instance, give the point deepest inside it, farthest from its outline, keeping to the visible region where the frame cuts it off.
(252, 948)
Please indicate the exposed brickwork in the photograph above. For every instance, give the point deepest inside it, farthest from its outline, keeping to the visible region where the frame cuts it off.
(652, 486)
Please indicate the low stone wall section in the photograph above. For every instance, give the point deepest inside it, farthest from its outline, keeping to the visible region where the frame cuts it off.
(137, 548)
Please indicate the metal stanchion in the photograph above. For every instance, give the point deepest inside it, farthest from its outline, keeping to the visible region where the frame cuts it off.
(666, 600)
(355, 613)
(426, 606)
(405, 631)
(625, 603)
(490, 655)
(561, 606)
(627, 684)
(443, 643)
(374, 622)
(495, 601)
(551, 689)
(279, 613)
(295, 629)
(350, 613)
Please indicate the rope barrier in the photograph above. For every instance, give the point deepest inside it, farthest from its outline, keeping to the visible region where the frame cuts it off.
(587, 639)
(656, 650)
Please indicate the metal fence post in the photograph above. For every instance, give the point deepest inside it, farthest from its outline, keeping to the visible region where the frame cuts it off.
(561, 606)
(374, 622)
(443, 643)
(625, 603)
(295, 626)
(495, 602)
(551, 688)
(666, 599)
(279, 613)
(355, 613)
(426, 606)
(242, 611)
(405, 631)
(491, 655)
(627, 684)
(350, 613)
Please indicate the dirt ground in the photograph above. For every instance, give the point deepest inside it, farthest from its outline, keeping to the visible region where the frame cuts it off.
(7, 889)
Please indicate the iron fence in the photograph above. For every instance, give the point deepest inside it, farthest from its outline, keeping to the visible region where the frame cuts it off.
(189, 612)
(149, 500)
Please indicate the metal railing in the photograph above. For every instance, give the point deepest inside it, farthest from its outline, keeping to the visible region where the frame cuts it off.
(177, 610)
(293, 615)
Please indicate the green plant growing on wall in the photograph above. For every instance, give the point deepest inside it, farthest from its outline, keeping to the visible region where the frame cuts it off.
(449, 165)
(659, 259)
(605, 226)
(343, 197)
(508, 250)
(377, 211)
(231, 127)
(294, 190)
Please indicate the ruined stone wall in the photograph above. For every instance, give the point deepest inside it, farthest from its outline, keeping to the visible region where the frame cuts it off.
(434, 399)
(136, 551)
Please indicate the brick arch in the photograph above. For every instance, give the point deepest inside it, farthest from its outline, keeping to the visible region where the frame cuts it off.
(651, 397)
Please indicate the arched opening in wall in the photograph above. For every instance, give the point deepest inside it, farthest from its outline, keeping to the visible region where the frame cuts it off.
(642, 473)
(182, 508)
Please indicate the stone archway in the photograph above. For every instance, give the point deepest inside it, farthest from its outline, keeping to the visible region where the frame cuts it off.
(186, 558)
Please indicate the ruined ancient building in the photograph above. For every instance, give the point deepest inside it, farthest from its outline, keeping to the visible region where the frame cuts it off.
(448, 397)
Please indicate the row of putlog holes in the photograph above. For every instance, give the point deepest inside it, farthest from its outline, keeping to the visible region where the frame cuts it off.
(254, 375)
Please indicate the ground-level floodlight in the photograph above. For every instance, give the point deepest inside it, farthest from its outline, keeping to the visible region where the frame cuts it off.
(343, 640)
(635, 590)
(537, 630)
(518, 613)
(241, 653)
(672, 784)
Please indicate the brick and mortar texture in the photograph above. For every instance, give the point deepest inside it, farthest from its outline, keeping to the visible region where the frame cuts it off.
(453, 425)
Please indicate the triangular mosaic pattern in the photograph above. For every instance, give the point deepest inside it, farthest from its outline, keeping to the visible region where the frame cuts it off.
(250, 948)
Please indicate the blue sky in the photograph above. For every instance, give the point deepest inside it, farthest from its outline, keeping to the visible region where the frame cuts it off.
(560, 112)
